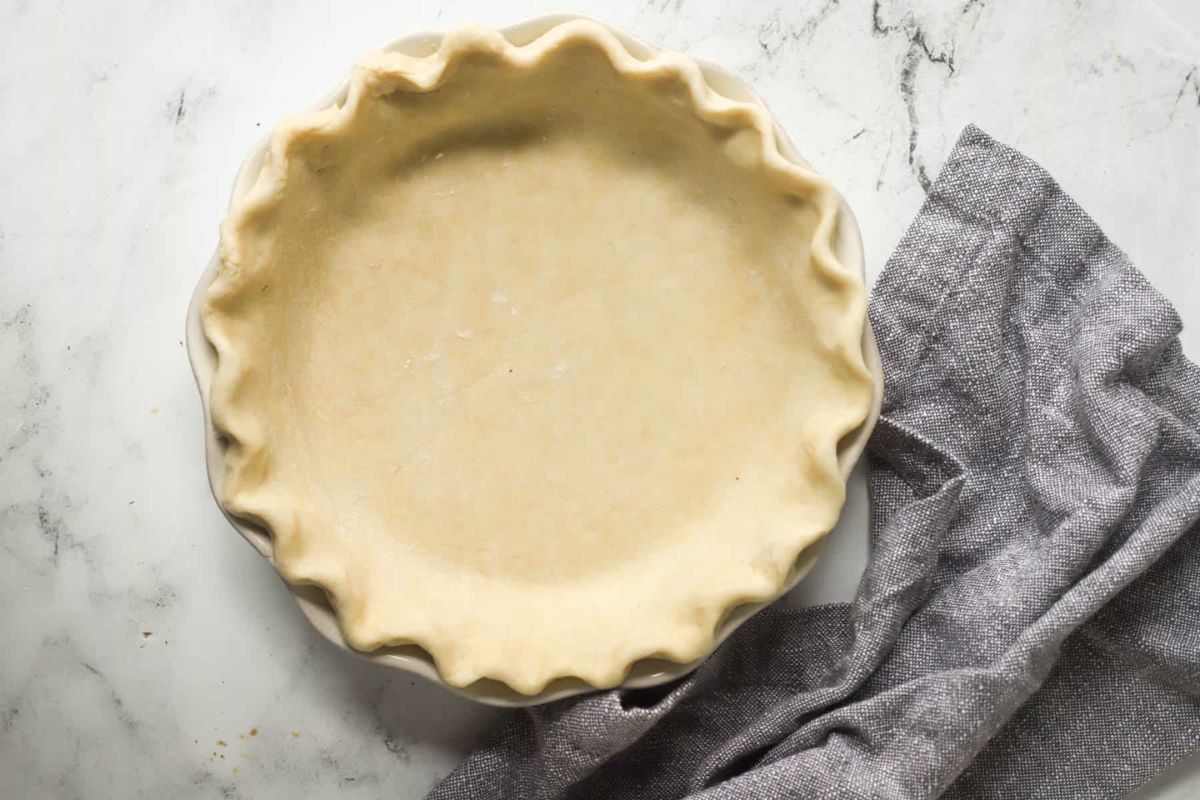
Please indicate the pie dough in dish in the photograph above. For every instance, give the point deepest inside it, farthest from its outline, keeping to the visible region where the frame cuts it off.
(537, 357)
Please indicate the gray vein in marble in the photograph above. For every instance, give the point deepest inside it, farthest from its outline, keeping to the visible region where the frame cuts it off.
(774, 33)
(52, 529)
(17, 326)
(118, 704)
(36, 410)
(1192, 80)
(883, 162)
(185, 104)
(8, 718)
(918, 52)
(661, 6)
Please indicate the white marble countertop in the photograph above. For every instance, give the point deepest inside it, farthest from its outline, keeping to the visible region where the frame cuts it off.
(147, 650)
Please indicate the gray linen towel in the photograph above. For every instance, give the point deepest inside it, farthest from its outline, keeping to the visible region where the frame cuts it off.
(1029, 623)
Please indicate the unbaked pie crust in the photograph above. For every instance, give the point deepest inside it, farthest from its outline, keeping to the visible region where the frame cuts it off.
(537, 357)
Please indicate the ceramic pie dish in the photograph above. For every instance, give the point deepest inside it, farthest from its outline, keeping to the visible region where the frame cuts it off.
(534, 360)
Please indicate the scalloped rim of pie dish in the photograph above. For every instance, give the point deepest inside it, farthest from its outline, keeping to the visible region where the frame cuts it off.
(483, 627)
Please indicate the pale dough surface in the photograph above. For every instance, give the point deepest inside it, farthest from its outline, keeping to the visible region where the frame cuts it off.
(526, 360)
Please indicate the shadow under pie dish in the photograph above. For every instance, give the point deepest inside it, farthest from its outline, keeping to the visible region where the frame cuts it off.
(536, 360)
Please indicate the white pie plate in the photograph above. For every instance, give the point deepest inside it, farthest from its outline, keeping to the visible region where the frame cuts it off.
(312, 600)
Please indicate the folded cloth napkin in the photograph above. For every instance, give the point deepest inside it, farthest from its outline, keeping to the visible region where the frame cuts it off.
(1028, 625)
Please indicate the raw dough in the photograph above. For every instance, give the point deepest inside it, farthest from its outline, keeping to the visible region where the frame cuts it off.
(536, 357)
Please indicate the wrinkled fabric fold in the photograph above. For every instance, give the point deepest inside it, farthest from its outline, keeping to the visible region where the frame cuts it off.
(1028, 623)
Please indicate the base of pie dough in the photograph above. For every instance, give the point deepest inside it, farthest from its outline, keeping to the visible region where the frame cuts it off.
(537, 357)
